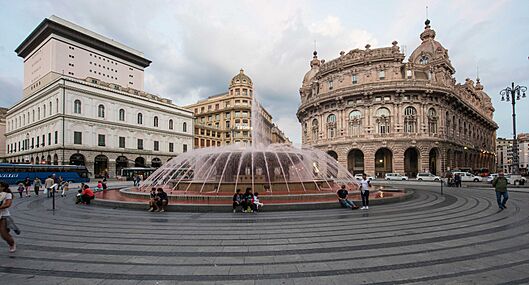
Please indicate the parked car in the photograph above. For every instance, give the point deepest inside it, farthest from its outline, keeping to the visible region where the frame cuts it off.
(491, 177)
(427, 177)
(395, 176)
(359, 177)
(515, 179)
(468, 177)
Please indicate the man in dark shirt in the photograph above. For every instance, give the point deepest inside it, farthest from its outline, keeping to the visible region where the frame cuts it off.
(342, 198)
(161, 200)
(237, 200)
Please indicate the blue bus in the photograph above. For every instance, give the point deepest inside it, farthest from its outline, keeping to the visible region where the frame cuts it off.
(16, 173)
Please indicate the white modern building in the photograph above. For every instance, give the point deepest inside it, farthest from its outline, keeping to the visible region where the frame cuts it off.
(504, 154)
(83, 103)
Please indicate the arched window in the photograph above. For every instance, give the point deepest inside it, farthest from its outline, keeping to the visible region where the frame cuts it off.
(50, 107)
(424, 59)
(355, 123)
(33, 115)
(432, 121)
(331, 126)
(410, 120)
(57, 104)
(184, 127)
(156, 121)
(121, 114)
(76, 107)
(38, 113)
(44, 110)
(383, 120)
(140, 118)
(315, 129)
(101, 111)
(170, 124)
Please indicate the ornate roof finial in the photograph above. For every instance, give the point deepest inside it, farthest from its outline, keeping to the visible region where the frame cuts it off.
(315, 61)
(241, 71)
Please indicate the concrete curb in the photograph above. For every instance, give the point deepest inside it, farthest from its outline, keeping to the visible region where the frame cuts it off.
(227, 208)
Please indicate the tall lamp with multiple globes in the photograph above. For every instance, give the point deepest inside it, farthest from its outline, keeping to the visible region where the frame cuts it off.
(513, 94)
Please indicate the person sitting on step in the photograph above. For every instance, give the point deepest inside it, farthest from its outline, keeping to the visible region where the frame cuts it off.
(256, 204)
(237, 201)
(161, 200)
(343, 194)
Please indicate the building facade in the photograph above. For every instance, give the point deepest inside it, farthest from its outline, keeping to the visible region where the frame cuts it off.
(3, 114)
(226, 118)
(86, 114)
(504, 154)
(377, 114)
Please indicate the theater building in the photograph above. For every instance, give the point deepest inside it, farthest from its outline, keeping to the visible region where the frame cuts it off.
(83, 103)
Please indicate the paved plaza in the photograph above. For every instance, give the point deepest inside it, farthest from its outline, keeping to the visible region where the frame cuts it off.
(457, 238)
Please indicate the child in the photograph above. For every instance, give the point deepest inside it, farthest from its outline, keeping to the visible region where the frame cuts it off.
(65, 188)
(78, 196)
(255, 202)
(21, 189)
(99, 186)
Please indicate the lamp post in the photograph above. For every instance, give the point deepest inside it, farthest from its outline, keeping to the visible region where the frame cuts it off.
(513, 94)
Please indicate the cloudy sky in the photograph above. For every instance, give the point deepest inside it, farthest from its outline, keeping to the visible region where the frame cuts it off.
(198, 46)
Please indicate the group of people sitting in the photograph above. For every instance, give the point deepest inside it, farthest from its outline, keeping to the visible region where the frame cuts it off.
(84, 195)
(247, 202)
(158, 200)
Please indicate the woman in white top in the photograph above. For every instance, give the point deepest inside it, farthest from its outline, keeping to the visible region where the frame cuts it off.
(4, 213)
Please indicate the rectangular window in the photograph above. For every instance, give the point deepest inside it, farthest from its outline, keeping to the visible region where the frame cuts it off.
(43, 140)
(330, 85)
(156, 145)
(56, 137)
(171, 147)
(184, 147)
(382, 75)
(49, 138)
(140, 143)
(101, 140)
(32, 143)
(354, 80)
(38, 141)
(77, 138)
(122, 142)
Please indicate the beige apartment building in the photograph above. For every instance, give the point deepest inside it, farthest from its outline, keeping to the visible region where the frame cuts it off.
(225, 118)
(376, 113)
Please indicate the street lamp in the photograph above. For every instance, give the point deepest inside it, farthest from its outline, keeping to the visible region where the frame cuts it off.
(513, 94)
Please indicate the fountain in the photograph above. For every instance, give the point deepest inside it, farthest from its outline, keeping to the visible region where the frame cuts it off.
(281, 173)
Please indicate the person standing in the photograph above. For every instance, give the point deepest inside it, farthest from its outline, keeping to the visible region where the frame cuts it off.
(48, 184)
(457, 180)
(500, 185)
(365, 184)
(27, 184)
(5, 215)
(36, 185)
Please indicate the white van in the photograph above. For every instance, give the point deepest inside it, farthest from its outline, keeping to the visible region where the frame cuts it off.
(427, 177)
(468, 177)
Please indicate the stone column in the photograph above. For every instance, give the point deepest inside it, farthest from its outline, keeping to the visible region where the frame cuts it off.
(398, 161)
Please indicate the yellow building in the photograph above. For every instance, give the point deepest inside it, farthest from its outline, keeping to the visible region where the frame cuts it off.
(226, 118)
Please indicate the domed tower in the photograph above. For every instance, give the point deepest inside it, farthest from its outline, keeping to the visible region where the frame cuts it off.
(430, 59)
(241, 84)
(485, 98)
(306, 87)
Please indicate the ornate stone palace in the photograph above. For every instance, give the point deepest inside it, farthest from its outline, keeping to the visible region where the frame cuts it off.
(226, 118)
(377, 114)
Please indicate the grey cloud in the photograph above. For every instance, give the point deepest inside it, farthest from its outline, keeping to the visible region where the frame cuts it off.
(10, 91)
